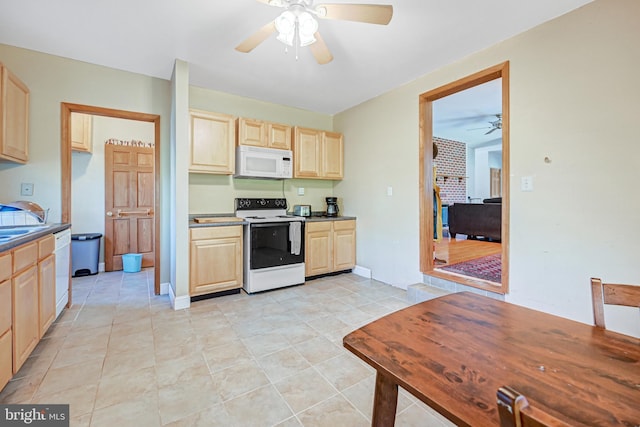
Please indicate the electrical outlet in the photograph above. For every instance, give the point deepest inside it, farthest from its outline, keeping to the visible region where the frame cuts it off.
(26, 189)
(300, 191)
(389, 191)
(526, 183)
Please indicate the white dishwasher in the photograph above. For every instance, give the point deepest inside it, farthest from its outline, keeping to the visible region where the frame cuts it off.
(63, 267)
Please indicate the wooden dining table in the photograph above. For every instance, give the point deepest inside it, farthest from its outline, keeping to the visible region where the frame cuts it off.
(455, 351)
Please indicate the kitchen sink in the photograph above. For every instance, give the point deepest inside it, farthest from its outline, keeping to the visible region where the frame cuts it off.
(10, 233)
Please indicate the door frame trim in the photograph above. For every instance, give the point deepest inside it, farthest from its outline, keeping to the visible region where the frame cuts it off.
(65, 161)
(426, 174)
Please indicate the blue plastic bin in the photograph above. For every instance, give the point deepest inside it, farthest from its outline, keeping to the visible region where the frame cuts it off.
(131, 263)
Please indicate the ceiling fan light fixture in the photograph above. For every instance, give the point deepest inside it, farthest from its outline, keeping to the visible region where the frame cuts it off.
(286, 26)
(307, 27)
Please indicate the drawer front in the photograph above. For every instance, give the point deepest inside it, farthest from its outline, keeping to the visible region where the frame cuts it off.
(6, 370)
(348, 224)
(216, 232)
(5, 306)
(46, 246)
(5, 266)
(24, 256)
(312, 227)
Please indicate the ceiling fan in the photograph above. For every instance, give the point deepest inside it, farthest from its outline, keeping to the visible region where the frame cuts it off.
(495, 125)
(297, 25)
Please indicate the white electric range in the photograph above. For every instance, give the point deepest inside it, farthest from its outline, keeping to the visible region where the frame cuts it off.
(273, 245)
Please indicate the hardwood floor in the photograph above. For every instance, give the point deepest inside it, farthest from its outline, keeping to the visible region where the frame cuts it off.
(453, 251)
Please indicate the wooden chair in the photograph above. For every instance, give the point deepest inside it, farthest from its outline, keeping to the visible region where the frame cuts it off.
(515, 411)
(608, 293)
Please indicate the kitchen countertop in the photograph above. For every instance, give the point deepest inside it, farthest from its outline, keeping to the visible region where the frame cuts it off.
(222, 223)
(51, 228)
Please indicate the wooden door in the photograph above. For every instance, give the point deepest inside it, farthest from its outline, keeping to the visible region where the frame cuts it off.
(495, 189)
(344, 245)
(333, 158)
(251, 132)
(212, 143)
(129, 202)
(318, 248)
(307, 155)
(25, 315)
(47, 293)
(279, 136)
(14, 119)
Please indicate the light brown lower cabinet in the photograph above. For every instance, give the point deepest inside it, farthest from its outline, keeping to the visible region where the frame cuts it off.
(6, 357)
(330, 246)
(215, 259)
(26, 332)
(27, 301)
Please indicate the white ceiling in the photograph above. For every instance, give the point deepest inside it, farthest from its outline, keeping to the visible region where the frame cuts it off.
(465, 116)
(146, 36)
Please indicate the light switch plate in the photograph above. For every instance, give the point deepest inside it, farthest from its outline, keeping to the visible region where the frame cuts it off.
(526, 183)
(26, 189)
(389, 191)
(300, 191)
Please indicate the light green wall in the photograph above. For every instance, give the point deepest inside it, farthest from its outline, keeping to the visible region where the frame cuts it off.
(53, 80)
(574, 99)
(216, 193)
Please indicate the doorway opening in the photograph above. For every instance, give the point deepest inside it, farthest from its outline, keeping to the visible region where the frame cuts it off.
(494, 243)
(66, 167)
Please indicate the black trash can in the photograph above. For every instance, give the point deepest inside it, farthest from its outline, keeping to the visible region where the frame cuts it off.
(85, 253)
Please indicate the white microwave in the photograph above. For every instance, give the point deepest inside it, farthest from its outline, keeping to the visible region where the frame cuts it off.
(257, 162)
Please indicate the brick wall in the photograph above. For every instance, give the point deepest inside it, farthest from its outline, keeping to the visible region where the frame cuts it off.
(451, 163)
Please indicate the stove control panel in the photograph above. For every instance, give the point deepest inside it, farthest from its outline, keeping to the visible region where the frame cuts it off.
(253, 204)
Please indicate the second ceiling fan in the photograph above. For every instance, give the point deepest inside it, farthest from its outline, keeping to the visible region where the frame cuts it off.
(297, 25)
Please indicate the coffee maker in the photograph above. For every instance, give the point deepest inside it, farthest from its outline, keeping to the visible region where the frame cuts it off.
(332, 206)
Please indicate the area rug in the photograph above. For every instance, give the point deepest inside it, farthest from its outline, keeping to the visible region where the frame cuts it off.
(486, 268)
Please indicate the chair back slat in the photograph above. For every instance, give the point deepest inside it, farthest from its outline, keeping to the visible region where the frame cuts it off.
(611, 294)
(515, 411)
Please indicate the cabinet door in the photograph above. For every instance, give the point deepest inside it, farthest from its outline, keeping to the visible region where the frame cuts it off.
(279, 136)
(344, 245)
(251, 132)
(25, 315)
(332, 155)
(307, 154)
(318, 248)
(6, 368)
(212, 143)
(47, 293)
(216, 259)
(81, 132)
(14, 117)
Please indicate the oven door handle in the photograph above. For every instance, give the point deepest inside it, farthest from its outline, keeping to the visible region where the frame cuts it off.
(272, 224)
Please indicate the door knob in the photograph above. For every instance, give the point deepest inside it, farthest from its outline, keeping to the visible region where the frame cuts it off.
(109, 213)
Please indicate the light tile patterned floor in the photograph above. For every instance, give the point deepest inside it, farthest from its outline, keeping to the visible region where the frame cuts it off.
(122, 357)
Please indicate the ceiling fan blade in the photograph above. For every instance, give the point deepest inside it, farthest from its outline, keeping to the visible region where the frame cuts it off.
(256, 38)
(320, 50)
(370, 13)
(491, 131)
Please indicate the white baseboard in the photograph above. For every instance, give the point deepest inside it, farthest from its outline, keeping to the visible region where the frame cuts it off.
(164, 288)
(179, 303)
(362, 271)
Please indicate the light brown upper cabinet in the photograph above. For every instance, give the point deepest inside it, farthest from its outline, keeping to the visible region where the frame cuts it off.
(318, 154)
(81, 132)
(259, 133)
(14, 117)
(212, 143)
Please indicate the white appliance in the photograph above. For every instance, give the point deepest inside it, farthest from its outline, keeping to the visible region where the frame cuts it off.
(63, 265)
(258, 162)
(273, 245)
